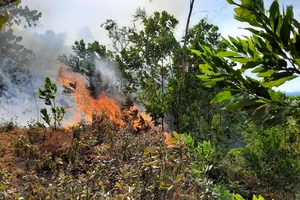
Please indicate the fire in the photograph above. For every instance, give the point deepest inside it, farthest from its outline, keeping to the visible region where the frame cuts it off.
(168, 137)
(140, 120)
(87, 106)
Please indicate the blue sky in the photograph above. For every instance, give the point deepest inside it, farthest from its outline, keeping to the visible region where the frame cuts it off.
(71, 16)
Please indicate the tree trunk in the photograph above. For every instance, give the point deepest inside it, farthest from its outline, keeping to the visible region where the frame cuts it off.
(184, 64)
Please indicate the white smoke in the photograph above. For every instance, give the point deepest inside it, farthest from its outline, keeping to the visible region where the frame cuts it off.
(20, 102)
(110, 75)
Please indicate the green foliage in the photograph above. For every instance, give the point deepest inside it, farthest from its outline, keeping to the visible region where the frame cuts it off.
(278, 155)
(271, 53)
(268, 164)
(239, 197)
(24, 148)
(147, 61)
(4, 183)
(48, 95)
(83, 62)
(270, 159)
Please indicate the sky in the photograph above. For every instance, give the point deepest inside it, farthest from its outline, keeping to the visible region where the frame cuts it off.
(77, 19)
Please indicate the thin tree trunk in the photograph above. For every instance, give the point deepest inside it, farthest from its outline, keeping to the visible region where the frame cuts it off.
(163, 96)
(184, 64)
(37, 107)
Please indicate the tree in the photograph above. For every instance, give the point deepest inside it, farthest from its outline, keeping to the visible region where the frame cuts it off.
(184, 63)
(195, 111)
(14, 57)
(144, 58)
(83, 62)
(5, 17)
(272, 53)
(149, 60)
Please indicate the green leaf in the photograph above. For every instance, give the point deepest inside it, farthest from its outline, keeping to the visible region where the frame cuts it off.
(238, 197)
(267, 73)
(241, 104)
(228, 44)
(241, 60)
(252, 30)
(297, 62)
(274, 15)
(278, 79)
(275, 97)
(247, 3)
(206, 49)
(227, 54)
(243, 12)
(3, 19)
(198, 53)
(164, 185)
(206, 68)
(258, 69)
(258, 198)
(285, 30)
(176, 135)
(178, 178)
(231, 2)
(203, 76)
(249, 65)
(222, 96)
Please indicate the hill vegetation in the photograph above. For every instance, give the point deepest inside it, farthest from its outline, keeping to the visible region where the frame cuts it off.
(208, 130)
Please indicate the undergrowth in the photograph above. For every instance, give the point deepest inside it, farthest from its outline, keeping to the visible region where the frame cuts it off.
(105, 161)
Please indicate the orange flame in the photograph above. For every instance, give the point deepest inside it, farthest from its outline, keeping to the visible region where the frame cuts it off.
(168, 137)
(140, 120)
(86, 106)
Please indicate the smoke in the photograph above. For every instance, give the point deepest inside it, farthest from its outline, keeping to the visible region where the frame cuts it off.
(48, 41)
(20, 102)
(85, 34)
(61, 18)
(110, 76)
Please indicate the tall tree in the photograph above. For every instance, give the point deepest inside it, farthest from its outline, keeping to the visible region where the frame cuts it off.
(184, 63)
(149, 60)
(197, 116)
(14, 57)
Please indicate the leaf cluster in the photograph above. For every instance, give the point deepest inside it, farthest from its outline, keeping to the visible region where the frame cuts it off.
(271, 53)
(47, 93)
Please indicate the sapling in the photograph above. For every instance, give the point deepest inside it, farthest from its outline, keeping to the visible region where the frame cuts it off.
(47, 93)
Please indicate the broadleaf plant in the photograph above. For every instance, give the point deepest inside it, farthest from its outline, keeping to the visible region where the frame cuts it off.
(48, 95)
(272, 53)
